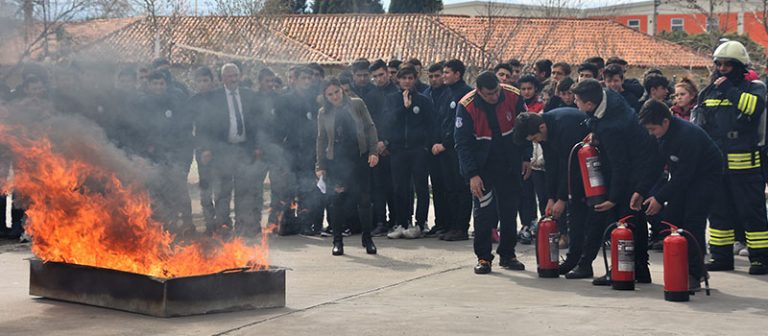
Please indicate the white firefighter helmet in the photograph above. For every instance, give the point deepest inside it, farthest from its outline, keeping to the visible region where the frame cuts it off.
(732, 50)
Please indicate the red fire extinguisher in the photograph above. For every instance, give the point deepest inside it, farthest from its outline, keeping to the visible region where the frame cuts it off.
(622, 257)
(591, 174)
(676, 264)
(547, 249)
(675, 267)
(621, 273)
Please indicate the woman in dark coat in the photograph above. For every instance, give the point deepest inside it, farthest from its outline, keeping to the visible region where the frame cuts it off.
(346, 151)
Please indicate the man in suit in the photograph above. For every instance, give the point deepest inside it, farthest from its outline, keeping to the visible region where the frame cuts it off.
(227, 136)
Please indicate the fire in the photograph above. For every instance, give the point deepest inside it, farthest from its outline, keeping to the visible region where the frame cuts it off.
(81, 213)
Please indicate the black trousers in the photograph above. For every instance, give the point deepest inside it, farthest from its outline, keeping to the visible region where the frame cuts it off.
(498, 205)
(690, 212)
(438, 190)
(527, 198)
(409, 168)
(457, 193)
(382, 191)
(349, 187)
(594, 230)
(17, 215)
(739, 198)
(205, 184)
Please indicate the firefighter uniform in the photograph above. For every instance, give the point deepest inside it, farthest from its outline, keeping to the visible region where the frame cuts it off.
(731, 113)
(485, 147)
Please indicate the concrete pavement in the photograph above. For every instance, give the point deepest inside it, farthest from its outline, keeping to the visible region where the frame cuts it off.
(413, 287)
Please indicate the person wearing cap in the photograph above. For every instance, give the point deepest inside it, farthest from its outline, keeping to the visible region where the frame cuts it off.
(731, 110)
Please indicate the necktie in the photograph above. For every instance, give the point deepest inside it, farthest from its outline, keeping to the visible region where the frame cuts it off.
(238, 114)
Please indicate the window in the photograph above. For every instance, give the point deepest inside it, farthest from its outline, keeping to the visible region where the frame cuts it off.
(676, 24)
(634, 24)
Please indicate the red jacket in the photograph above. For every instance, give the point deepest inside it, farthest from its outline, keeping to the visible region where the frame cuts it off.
(473, 133)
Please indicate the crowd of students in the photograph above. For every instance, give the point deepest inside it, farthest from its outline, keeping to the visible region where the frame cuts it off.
(374, 146)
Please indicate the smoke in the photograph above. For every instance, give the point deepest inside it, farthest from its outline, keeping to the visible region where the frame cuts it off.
(76, 138)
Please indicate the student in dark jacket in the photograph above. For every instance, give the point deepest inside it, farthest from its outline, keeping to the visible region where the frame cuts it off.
(198, 105)
(164, 130)
(631, 164)
(407, 133)
(296, 127)
(558, 131)
(563, 96)
(614, 80)
(439, 94)
(456, 188)
(382, 192)
(696, 167)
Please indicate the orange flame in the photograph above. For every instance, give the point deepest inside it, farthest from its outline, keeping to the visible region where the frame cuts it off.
(81, 213)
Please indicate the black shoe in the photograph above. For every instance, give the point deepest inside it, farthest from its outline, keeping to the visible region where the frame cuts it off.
(380, 230)
(511, 263)
(642, 274)
(435, 231)
(338, 248)
(580, 272)
(370, 248)
(524, 236)
(483, 267)
(604, 280)
(456, 235)
(656, 245)
(565, 267)
(694, 283)
(718, 266)
(758, 268)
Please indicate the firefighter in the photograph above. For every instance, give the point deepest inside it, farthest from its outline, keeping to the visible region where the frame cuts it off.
(491, 162)
(730, 111)
(695, 167)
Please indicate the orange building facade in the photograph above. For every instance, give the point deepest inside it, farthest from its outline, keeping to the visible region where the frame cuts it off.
(753, 24)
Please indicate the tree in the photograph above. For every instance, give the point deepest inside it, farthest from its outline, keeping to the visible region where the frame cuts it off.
(284, 7)
(415, 6)
(347, 6)
(706, 43)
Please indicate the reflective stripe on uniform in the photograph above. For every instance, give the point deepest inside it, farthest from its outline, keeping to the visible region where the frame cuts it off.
(757, 239)
(721, 237)
(717, 102)
(747, 103)
(739, 161)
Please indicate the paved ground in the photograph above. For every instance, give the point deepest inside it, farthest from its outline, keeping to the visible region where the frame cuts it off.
(416, 287)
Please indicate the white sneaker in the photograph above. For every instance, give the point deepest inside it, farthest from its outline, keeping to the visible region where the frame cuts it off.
(737, 247)
(744, 252)
(396, 233)
(413, 232)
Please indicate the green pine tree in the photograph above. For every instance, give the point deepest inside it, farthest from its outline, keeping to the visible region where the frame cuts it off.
(415, 6)
(347, 6)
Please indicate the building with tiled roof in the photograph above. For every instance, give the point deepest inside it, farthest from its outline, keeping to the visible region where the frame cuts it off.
(341, 38)
(571, 40)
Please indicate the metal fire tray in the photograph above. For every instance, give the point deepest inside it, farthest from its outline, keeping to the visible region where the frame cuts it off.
(230, 290)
